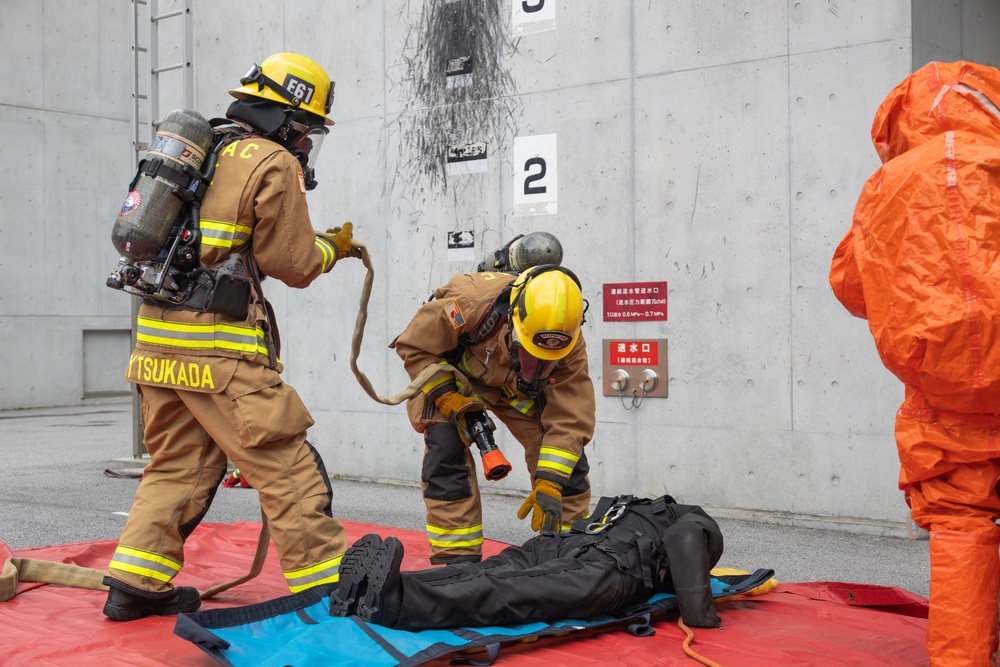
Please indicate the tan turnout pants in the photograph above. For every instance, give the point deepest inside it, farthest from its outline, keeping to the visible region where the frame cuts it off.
(262, 430)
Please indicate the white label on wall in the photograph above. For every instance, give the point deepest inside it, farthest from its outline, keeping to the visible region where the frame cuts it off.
(466, 159)
(462, 246)
(531, 16)
(536, 189)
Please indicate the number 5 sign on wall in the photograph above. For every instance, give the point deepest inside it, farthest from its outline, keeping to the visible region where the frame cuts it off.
(531, 16)
(535, 184)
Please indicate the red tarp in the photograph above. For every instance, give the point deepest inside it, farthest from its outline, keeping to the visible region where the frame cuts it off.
(822, 623)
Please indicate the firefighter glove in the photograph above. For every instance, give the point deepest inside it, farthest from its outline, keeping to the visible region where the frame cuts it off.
(341, 238)
(545, 505)
(455, 406)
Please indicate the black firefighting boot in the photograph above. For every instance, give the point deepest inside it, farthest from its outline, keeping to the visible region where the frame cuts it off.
(127, 603)
(353, 579)
(370, 584)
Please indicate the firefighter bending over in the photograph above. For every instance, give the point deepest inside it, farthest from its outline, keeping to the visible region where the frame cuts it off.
(518, 341)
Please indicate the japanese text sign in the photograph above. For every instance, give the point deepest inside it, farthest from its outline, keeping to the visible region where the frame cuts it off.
(635, 302)
(634, 353)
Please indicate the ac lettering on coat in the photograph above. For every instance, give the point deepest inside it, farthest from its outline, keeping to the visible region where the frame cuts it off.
(246, 153)
(170, 372)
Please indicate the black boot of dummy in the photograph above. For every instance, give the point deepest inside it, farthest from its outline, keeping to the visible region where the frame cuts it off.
(383, 597)
(369, 585)
(353, 576)
(127, 603)
(689, 567)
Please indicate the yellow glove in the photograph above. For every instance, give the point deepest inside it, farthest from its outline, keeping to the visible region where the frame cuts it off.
(454, 406)
(341, 238)
(545, 505)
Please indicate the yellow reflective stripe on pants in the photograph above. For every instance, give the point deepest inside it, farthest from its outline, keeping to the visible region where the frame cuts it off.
(467, 536)
(559, 460)
(210, 336)
(144, 564)
(327, 572)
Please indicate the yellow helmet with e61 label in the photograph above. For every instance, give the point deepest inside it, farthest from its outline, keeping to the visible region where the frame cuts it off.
(290, 79)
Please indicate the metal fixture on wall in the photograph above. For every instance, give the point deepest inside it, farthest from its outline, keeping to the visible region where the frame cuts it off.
(645, 360)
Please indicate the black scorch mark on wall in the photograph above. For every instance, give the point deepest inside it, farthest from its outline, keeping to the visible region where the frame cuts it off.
(456, 87)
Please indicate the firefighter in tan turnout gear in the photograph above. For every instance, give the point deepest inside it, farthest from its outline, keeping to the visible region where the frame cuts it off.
(517, 339)
(210, 383)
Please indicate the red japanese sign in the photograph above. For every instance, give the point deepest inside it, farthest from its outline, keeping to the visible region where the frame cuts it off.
(634, 353)
(635, 302)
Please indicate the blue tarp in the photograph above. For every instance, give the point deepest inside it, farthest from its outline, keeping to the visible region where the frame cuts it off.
(298, 631)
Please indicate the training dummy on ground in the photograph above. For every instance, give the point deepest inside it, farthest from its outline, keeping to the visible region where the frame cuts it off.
(631, 549)
(517, 339)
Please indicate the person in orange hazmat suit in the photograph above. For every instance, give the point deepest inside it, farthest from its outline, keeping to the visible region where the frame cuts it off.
(921, 262)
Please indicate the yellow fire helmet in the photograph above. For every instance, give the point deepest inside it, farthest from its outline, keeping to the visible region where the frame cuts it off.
(547, 310)
(292, 80)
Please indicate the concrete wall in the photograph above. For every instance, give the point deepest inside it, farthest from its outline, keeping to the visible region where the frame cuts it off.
(718, 148)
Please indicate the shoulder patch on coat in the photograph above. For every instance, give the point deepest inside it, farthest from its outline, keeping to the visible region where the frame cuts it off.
(454, 313)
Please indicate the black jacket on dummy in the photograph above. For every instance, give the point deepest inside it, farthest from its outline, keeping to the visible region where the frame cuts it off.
(643, 547)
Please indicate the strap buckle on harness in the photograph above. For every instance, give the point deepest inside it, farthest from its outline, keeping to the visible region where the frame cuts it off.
(615, 512)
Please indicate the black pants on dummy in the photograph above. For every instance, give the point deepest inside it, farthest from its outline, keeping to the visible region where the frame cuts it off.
(574, 576)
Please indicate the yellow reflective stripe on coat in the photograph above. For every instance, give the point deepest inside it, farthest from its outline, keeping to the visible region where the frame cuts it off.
(329, 252)
(327, 572)
(559, 460)
(437, 380)
(144, 564)
(467, 536)
(218, 234)
(209, 336)
(522, 406)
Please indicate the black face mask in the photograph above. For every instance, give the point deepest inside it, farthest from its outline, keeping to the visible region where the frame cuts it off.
(532, 373)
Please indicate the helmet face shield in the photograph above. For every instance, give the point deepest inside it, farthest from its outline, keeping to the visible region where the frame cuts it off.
(306, 148)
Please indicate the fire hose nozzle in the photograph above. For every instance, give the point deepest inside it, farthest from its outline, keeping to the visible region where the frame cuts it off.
(481, 427)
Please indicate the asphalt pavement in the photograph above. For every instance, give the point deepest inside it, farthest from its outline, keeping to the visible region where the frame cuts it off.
(55, 488)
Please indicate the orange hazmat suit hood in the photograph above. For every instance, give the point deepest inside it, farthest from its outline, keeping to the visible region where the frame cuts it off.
(938, 97)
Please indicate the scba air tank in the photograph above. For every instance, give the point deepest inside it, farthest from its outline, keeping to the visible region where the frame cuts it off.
(534, 249)
(150, 210)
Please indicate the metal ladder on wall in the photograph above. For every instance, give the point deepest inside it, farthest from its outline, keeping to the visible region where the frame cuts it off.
(146, 48)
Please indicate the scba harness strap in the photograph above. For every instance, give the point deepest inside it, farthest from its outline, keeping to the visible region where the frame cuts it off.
(602, 523)
(490, 323)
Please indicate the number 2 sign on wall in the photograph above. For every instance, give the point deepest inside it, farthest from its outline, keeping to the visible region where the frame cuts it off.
(535, 184)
